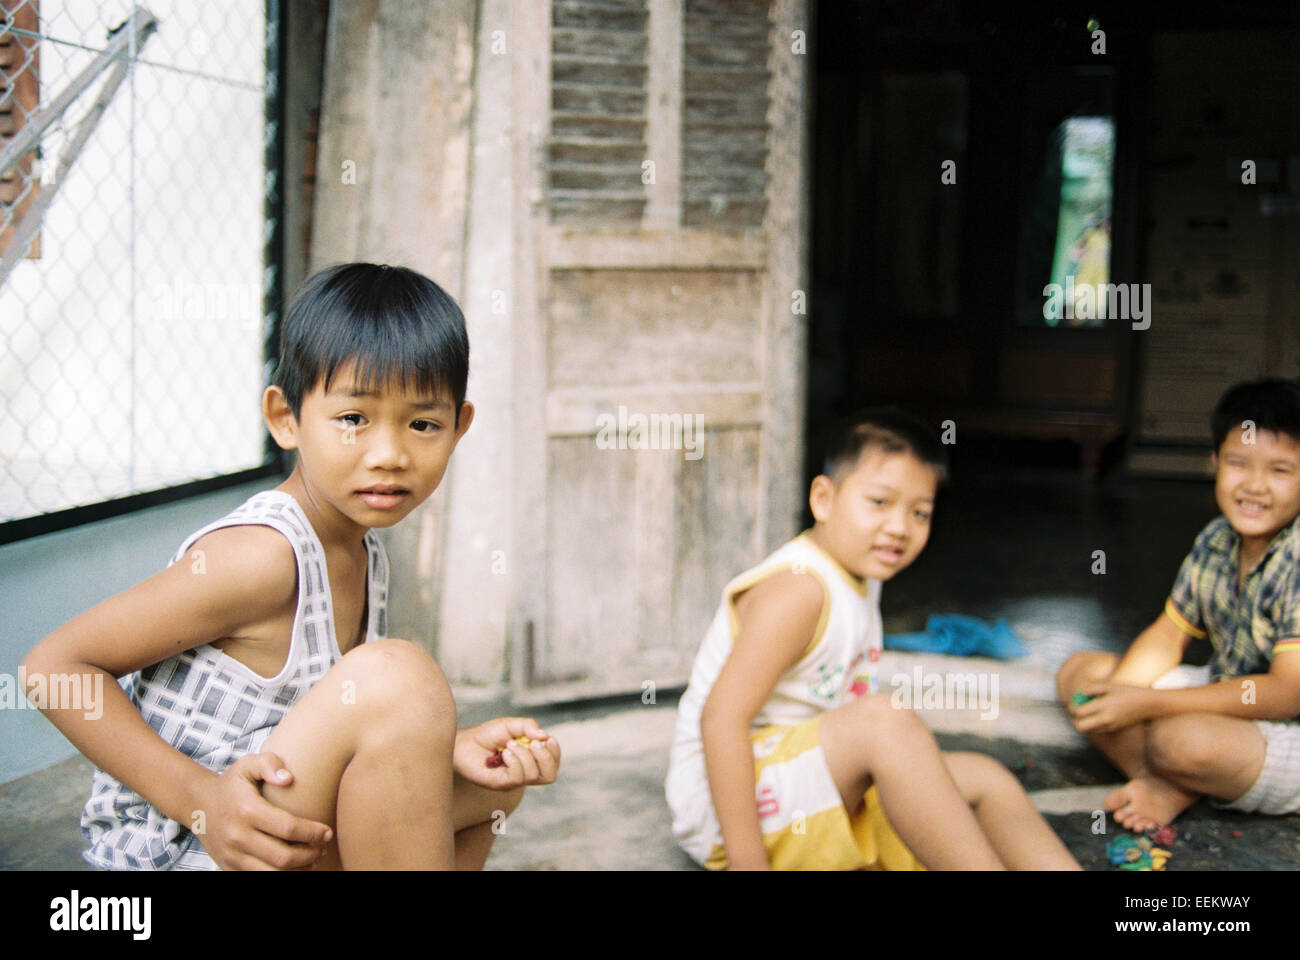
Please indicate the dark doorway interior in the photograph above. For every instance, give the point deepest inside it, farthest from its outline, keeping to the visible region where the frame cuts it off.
(941, 172)
(942, 182)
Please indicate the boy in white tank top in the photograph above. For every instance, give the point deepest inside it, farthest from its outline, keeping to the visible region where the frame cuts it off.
(266, 720)
(786, 756)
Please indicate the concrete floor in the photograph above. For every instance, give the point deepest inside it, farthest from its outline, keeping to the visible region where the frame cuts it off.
(1020, 548)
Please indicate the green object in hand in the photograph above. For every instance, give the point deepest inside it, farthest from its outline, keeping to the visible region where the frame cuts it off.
(1080, 698)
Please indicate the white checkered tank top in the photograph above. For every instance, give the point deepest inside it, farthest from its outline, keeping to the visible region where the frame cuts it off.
(212, 708)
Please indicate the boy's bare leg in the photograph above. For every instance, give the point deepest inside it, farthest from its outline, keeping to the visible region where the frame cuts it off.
(1018, 832)
(1191, 755)
(1149, 799)
(370, 750)
(477, 811)
(870, 741)
(1126, 748)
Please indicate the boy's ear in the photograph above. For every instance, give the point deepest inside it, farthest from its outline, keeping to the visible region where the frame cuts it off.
(464, 419)
(820, 496)
(279, 418)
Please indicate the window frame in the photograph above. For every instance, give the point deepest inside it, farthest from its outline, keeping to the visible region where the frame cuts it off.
(273, 257)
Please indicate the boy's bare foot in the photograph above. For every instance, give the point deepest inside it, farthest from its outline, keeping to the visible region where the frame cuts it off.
(1147, 802)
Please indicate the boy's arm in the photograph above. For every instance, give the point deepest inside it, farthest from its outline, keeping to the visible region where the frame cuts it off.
(248, 575)
(1116, 703)
(1126, 698)
(778, 618)
(1271, 696)
(1157, 650)
(1264, 696)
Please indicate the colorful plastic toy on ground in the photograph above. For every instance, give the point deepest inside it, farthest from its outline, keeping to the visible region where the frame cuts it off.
(1129, 852)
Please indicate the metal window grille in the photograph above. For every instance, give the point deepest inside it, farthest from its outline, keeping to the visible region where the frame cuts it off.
(133, 324)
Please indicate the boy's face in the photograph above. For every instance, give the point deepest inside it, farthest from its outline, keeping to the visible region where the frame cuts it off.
(1257, 485)
(877, 518)
(373, 456)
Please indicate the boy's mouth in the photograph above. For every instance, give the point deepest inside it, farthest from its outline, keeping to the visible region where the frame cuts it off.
(1251, 508)
(383, 495)
(887, 555)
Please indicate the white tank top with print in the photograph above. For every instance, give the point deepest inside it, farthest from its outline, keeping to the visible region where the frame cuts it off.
(841, 660)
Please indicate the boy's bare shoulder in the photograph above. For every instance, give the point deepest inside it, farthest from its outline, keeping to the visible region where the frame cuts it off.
(252, 563)
(233, 581)
(794, 597)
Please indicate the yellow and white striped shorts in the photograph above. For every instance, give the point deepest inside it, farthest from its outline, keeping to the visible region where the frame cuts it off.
(801, 814)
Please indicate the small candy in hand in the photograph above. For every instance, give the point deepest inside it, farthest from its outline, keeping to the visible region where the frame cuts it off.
(497, 760)
(1080, 698)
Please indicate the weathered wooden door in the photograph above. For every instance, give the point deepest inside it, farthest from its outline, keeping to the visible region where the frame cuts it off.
(659, 329)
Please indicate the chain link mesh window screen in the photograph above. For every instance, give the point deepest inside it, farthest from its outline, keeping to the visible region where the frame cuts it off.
(132, 332)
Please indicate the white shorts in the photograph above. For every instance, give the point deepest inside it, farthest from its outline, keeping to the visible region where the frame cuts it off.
(1276, 790)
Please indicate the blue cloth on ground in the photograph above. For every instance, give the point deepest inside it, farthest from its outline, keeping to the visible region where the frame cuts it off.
(962, 636)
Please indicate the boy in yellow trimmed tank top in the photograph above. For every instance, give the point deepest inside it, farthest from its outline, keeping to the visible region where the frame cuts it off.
(786, 757)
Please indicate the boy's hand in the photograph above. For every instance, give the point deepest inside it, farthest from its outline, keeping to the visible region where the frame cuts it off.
(1113, 707)
(245, 831)
(522, 766)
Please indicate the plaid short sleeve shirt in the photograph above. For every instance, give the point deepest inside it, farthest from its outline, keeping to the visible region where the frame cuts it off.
(1249, 622)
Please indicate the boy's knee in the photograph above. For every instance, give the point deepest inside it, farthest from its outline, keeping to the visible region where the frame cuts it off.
(397, 676)
(878, 712)
(1082, 669)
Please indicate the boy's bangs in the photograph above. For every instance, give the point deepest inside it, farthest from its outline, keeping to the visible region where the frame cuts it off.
(396, 340)
(373, 371)
(887, 429)
(1271, 404)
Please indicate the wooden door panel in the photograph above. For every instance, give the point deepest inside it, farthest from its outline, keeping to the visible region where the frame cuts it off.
(640, 545)
(716, 530)
(626, 328)
(661, 293)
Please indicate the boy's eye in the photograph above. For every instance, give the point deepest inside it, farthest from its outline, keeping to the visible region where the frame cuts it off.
(922, 515)
(351, 419)
(878, 501)
(426, 426)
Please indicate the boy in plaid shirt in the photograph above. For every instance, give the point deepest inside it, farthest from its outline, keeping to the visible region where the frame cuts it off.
(1228, 730)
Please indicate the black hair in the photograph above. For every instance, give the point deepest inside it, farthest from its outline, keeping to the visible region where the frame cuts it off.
(396, 324)
(886, 428)
(1271, 404)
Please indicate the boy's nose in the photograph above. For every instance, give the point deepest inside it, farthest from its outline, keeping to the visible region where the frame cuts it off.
(1256, 480)
(385, 451)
